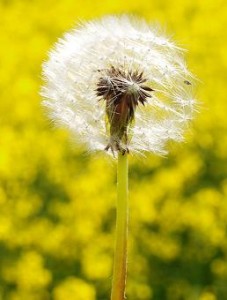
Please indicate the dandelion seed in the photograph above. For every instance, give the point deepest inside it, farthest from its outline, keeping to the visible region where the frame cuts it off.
(118, 85)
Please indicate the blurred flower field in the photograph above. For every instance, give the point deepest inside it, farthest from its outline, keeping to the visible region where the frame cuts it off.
(57, 203)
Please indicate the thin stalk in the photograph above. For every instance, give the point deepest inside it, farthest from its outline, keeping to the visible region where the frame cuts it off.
(120, 256)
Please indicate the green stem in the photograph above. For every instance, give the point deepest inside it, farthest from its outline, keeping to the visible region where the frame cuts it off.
(120, 257)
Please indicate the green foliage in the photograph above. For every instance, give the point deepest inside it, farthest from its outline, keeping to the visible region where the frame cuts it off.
(57, 204)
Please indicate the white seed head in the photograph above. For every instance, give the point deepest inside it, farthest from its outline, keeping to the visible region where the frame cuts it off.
(103, 63)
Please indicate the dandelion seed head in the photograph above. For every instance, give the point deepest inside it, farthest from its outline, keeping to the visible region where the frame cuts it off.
(119, 61)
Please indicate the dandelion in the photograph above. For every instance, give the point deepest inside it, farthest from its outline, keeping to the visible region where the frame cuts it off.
(119, 86)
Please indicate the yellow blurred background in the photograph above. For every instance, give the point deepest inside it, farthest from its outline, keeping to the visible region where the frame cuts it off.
(57, 205)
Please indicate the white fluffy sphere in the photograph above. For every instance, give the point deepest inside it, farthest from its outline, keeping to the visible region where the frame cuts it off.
(73, 70)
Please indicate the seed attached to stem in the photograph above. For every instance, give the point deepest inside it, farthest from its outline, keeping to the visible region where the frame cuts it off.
(123, 91)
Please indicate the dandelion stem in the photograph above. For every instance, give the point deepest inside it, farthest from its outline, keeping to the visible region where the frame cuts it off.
(120, 258)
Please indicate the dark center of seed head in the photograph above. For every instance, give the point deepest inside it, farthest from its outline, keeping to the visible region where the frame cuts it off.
(123, 91)
(117, 83)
